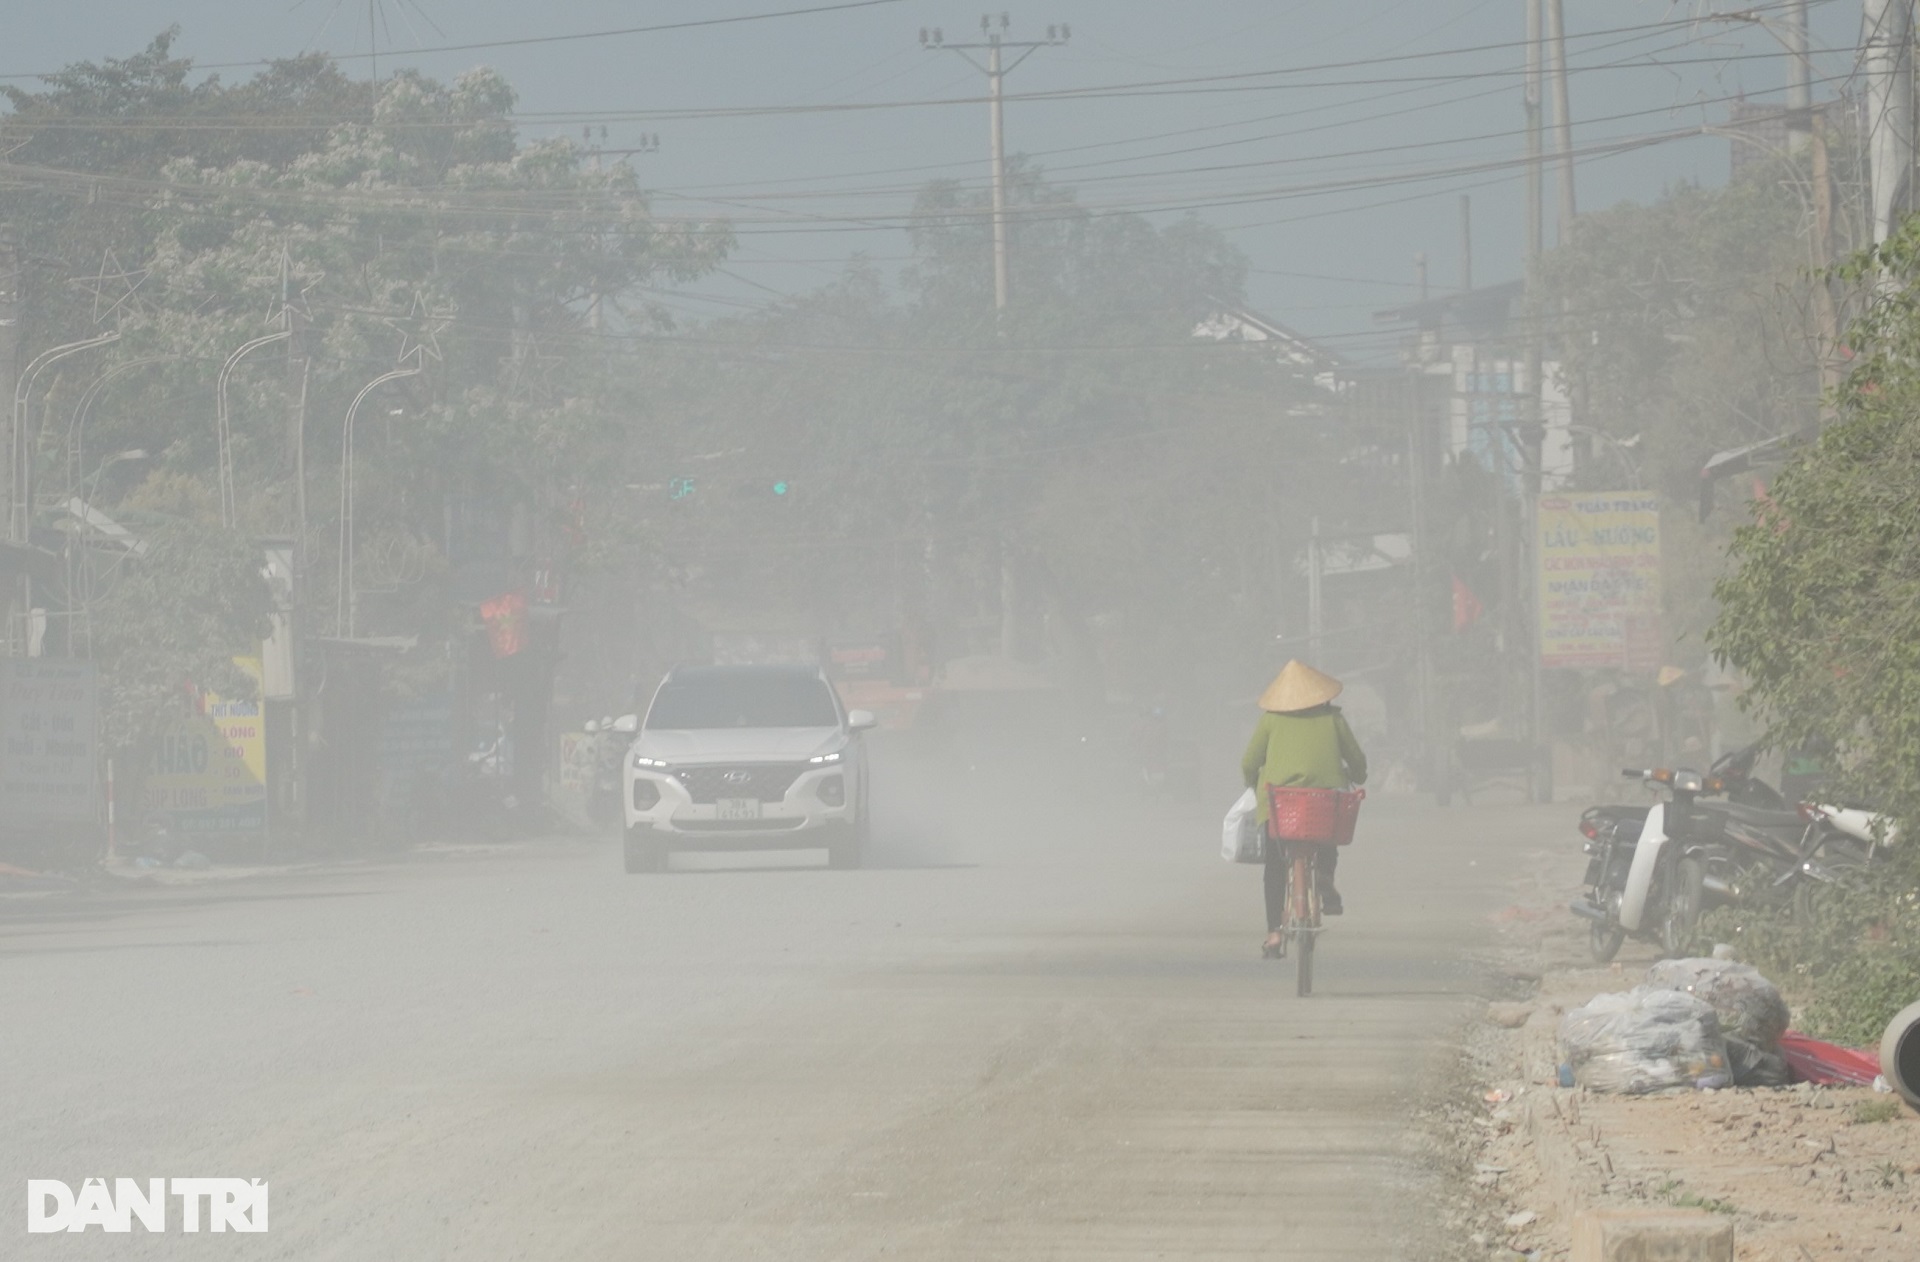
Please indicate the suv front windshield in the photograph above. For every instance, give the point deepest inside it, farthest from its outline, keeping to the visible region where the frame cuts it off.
(742, 698)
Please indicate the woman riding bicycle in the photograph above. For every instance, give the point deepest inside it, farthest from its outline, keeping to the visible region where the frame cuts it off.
(1303, 740)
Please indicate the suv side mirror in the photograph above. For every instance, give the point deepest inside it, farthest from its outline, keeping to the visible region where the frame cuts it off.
(627, 723)
(861, 720)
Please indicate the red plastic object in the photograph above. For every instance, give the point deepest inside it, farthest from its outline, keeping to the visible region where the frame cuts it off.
(1317, 817)
(1828, 1064)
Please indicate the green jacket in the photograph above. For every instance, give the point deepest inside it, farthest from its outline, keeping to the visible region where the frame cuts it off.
(1311, 748)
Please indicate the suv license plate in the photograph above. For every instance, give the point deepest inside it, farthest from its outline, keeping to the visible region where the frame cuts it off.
(738, 808)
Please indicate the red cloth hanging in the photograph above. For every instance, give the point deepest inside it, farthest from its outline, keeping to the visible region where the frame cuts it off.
(505, 617)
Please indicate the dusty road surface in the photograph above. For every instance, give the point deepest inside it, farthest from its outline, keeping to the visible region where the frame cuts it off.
(1023, 1032)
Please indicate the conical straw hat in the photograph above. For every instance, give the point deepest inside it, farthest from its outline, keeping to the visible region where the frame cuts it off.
(1299, 686)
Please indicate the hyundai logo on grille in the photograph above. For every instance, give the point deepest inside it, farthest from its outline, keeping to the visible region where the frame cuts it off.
(738, 777)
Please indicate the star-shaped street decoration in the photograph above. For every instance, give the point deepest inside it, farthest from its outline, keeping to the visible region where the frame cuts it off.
(113, 287)
(418, 330)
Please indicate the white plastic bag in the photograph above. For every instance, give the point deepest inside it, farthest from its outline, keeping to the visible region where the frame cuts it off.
(1643, 1041)
(1241, 840)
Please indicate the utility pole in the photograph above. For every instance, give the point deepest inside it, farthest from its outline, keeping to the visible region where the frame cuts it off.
(1562, 114)
(9, 379)
(1466, 243)
(1316, 609)
(1799, 80)
(1420, 273)
(299, 372)
(1532, 98)
(649, 142)
(1887, 59)
(995, 44)
(1518, 622)
(9, 332)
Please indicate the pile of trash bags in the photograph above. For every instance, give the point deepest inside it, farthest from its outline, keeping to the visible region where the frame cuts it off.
(1748, 1005)
(1694, 1023)
(1646, 1039)
(1753, 1015)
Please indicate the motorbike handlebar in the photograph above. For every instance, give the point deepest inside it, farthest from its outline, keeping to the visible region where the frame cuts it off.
(1635, 773)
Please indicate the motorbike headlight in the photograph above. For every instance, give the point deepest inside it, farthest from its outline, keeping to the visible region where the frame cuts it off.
(1687, 782)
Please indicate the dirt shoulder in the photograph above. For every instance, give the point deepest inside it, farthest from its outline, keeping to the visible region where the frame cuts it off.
(1804, 1172)
(131, 875)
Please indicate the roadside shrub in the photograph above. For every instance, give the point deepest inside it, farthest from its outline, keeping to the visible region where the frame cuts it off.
(1851, 965)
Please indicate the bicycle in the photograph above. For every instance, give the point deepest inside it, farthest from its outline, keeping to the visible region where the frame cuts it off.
(1303, 913)
(1304, 820)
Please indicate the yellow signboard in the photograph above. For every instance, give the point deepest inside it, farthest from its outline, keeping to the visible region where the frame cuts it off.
(1599, 580)
(209, 769)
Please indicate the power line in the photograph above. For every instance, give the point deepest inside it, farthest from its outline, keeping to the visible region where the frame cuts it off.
(524, 41)
(1189, 85)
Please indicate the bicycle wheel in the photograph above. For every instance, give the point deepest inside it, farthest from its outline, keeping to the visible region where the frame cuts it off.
(1304, 913)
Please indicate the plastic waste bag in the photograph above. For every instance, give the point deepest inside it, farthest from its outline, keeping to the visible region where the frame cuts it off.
(1748, 1005)
(1754, 1066)
(1241, 839)
(1644, 1040)
(1830, 1064)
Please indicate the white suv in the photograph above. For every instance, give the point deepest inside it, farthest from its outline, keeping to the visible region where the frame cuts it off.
(747, 758)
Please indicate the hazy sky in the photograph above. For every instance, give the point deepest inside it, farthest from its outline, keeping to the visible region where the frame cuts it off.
(1387, 90)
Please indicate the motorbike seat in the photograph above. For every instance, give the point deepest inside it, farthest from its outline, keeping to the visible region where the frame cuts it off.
(1759, 817)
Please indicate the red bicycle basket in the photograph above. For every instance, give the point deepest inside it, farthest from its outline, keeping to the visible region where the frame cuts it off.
(1319, 817)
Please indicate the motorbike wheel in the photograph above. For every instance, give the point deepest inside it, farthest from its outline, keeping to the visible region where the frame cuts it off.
(1604, 941)
(1811, 897)
(1682, 920)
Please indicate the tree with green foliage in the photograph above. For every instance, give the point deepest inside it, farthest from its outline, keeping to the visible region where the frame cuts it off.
(1691, 325)
(1821, 611)
(404, 223)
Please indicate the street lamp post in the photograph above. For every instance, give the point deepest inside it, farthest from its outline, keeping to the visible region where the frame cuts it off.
(20, 475)
(77, 427)
(347, 599)
(224, 433)
(20, 486)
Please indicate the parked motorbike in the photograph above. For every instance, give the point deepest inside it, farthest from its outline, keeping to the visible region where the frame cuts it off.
(1611, 832)
(1646, 881)
(1761, 849)
(1726, 837)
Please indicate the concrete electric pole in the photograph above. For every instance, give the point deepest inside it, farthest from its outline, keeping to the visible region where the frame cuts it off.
(1799, 80)
(995, 44)
(9, 330)
(1887, 59)
(1532, 100)
(1562, 115)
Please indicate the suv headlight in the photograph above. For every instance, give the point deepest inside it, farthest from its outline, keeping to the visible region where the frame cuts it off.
(649, 764)
(822, 760)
